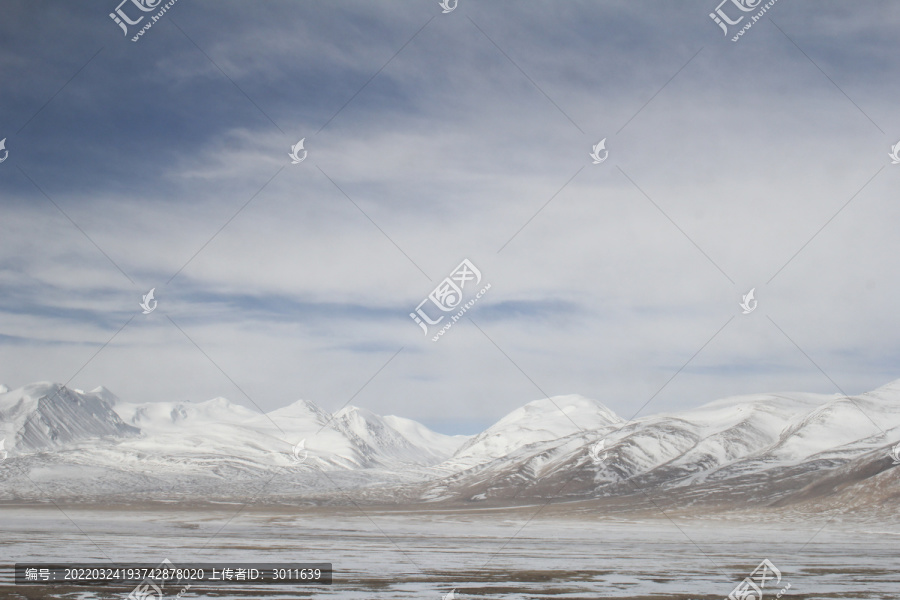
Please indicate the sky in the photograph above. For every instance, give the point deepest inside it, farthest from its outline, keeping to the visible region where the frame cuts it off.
(431, 138)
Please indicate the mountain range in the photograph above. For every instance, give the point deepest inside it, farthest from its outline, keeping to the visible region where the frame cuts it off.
(761, 450)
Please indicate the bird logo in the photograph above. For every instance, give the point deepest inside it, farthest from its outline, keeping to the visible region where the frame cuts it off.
(300, 447)
(449, 596)
(595, 451)
(895, 454)
(448, 6)
(3, 449)
(749, 303)
(601, 145)
(146, 302)
(6, 152)
(895, 154)
(296, 159)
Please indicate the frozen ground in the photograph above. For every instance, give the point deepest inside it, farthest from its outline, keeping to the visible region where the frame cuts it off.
(486, 553)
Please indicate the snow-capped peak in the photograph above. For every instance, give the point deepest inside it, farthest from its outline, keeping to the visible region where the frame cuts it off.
(105, 395)
(47, 415)
(379, 437)
(422, 437)
(154, 416)
(301, 410)
(538, 421)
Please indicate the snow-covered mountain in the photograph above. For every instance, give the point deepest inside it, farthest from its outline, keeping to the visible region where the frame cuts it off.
(763, 448)
(87, 444)
(47, 416)
(44, 416)
(539, 421)
(722, 450)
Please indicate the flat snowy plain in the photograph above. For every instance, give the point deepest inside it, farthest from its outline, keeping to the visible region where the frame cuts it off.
(480, 553)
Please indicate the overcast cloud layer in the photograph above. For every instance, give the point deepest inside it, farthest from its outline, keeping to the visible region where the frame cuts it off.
(434, 137)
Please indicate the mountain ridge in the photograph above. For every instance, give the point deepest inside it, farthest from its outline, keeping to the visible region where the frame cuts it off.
(545, 449)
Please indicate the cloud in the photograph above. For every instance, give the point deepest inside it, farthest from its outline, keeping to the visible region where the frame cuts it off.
(731, 166)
